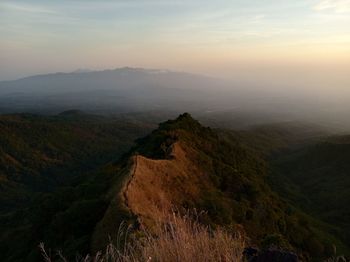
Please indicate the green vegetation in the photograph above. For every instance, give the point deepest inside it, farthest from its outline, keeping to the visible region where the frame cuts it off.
(316, 179)
(38, 153)
(54, 173)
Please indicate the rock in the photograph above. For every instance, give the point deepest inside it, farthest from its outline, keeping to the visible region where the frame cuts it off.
(250, 253)
(270, 255)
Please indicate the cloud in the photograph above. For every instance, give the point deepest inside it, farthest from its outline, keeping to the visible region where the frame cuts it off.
(23, 8)
(258, 18)
(338, 6)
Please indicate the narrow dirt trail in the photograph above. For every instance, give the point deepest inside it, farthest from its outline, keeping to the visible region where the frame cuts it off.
(126, 187)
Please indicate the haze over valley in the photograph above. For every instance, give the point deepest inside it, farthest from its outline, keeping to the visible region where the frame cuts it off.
(130, 90)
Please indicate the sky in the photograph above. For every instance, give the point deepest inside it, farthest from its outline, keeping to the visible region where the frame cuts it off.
(302, 42)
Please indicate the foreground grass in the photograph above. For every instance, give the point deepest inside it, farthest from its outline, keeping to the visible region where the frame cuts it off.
(181, 238)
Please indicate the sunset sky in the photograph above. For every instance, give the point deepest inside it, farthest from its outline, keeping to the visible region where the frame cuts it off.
(236, 39)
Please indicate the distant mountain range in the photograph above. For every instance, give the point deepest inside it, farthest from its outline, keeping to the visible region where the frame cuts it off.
(130, 90)
(119, 90)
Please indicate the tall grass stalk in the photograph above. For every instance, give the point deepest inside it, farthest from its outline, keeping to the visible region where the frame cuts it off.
(180, 238)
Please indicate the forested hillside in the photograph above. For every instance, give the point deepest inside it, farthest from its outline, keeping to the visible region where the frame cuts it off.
(317, 179)
(42, 160)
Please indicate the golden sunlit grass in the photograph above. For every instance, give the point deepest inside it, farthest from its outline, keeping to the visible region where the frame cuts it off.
(181, 238)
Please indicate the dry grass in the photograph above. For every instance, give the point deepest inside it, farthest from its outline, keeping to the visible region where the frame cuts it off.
(156, 186)
(182, 238)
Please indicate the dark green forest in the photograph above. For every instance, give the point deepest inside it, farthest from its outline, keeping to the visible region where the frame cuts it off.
(316, 179)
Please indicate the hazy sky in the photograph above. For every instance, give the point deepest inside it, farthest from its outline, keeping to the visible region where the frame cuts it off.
(268, 40)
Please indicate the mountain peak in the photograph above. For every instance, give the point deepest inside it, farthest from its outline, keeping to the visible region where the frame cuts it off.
(184, 128)
(184, 121)
(185, 116)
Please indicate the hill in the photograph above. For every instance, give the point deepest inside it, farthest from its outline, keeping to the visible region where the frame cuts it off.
(179, 166)
(185, 165)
